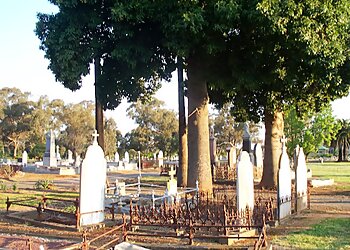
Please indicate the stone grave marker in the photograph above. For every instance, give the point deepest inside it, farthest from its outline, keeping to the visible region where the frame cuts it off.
(284, 190)
(258, 153)
(70, 157)
(245, 183)
(93, 177)
(160, 158)
(126, 157)
(58, 156)
(120, 188)
(172, 183)
(246, 139)
(116, 157)
(49, 158)
(24, 158)
(301, 182)
(212, 147)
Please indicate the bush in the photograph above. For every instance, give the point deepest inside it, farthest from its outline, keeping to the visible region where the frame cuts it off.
(43, 184)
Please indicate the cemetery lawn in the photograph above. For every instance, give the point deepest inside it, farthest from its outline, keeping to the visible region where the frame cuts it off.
(326, 224)
(328, 234)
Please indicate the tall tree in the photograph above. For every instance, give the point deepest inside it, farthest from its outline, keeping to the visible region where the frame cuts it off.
(310, 131)
(79, 125)
(343, 140)
(306, 64)
(111, 133)
(157, 128)
(83, 32)
(183, 153)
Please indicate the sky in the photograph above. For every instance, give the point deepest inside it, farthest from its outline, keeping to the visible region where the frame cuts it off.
(22, 64)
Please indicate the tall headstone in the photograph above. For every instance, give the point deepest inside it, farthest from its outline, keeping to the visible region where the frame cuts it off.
(116, 157)
(172, 183)
(246, 138)
(126, 157)
(49, 158)
(160, 158)
(258, 155)
(301, 181)
(212, 147)
(58, 156)
(284, 190)
(245, 183)
(70, 157)
(231, 153)
(93, 177)
(24, 158)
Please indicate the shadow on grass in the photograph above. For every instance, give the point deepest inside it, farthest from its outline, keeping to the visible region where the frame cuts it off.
(328, 234)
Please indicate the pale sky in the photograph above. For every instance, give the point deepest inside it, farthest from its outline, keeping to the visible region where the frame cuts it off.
(22, 64)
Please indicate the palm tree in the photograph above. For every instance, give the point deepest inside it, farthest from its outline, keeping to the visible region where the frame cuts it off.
(343, 140)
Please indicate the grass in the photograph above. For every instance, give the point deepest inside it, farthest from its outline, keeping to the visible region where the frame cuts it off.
(340, 172)
(329, 234)
(160, 180)
(35, 195)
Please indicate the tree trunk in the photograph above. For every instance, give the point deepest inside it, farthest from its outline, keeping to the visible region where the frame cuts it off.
(198, 128)
(274, 126)
(183, 160)
(98, 108)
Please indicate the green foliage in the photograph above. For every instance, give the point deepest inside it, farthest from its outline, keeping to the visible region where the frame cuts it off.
(343, 140)
(310, 131)
(14, 187)
(329, 234)
(3, 186)
(157, 128)
(43, 184)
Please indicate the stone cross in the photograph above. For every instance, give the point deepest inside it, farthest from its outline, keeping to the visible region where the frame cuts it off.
(172, 172)
(95, 135)
(283, 141)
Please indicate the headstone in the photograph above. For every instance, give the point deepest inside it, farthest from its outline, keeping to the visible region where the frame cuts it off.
(120, 188)
(212, 147)
(258, 153)
(160, 158)
(301, 182)
(284, 190)
(58, 156)
(231, 153)
(245, 183)
(49, 155)
(172, 183)
(77, 160)
(116, 157)
(70, 157)
(92, 185)
(246, 138)
(126, 157)
(24, 158)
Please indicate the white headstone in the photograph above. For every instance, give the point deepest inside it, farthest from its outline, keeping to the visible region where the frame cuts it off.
(126, 157)
(24, 158)
(160, 158)
(284, 186)
(77, 160)
(58, 156)
(70, 157)
(116, 157)
(258, 153)
(92, 185)
(245, 183)
(301, 181)
(49, 158)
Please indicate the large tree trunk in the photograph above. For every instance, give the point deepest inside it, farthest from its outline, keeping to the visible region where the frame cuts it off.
(183, 160)
(198, 130)
(274, 126)
(98, 108)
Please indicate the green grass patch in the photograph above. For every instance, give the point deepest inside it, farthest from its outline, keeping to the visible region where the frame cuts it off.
(329, 234)
(340, 172)
(160, 180)
(34, 195)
